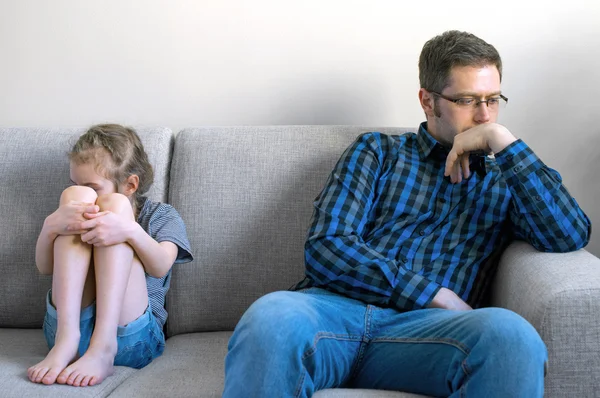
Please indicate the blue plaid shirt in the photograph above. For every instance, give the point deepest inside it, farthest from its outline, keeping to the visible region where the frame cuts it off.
(389, 229)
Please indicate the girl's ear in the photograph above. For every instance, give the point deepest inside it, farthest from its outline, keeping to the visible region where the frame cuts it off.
(131, 185)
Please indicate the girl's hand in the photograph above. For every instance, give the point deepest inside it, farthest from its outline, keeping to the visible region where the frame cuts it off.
(104, 228)
(69, 214)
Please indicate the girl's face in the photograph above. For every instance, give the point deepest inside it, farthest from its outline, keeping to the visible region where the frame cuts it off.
(85, 174)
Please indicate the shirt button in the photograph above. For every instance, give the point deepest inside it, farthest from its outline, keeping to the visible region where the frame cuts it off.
(509, 157)
(421, 232)
(404, 259)
(538, 198)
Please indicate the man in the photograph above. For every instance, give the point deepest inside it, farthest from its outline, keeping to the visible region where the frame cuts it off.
(402, 247)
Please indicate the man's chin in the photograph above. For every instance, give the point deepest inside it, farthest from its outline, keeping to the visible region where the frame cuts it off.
(465, 129)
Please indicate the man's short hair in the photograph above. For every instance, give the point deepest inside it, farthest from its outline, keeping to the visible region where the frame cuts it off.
(453, 48)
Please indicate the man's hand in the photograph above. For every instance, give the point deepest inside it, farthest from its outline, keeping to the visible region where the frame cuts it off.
(487, 138)
(104, 228)
(70, 213)
(447, 299)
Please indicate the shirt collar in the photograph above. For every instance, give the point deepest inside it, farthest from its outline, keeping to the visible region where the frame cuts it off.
(428, 145)
(425, 142)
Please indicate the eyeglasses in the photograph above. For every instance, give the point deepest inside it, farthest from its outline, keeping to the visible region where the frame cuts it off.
(493, 103)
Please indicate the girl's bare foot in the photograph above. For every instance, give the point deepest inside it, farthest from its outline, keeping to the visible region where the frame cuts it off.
(91, 369)
(59, 357)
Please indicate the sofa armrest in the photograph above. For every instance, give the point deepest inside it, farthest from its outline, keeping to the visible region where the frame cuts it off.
(559, 294)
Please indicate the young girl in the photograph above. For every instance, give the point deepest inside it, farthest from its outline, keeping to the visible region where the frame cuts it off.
(110, 251)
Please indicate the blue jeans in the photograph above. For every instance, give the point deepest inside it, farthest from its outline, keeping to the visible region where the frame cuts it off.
(291, 344)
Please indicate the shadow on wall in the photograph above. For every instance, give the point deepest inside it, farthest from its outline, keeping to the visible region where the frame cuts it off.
(553, 108)
(331, 99)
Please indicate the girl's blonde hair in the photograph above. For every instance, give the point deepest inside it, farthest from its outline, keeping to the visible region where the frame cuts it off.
(118, 153)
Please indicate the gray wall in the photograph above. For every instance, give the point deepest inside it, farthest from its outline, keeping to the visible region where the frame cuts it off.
(235, 62)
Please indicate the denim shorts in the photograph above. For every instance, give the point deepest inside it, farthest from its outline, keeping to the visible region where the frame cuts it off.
(139, 342)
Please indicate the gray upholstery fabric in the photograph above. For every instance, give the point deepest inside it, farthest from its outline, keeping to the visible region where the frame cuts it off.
(559, 294)
(34, 170)
(22, 348)
(192, 366)
(246, 196)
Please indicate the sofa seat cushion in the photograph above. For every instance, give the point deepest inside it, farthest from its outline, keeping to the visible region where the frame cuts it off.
(22, 348)
(191, 366)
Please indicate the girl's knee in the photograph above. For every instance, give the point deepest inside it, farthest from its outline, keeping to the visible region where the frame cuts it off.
(78, 193)
(115, 202)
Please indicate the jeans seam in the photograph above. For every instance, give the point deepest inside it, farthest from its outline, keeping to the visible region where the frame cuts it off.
(465, 368)
(318, 337)
(327, 335)
(365, 339)
(299, 385)
(456, 344)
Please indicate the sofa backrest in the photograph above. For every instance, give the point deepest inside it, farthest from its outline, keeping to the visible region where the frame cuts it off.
(246, 196)
(34, 170)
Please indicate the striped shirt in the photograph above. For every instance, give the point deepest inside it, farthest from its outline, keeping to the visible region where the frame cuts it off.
(389, 229)
(163, 223)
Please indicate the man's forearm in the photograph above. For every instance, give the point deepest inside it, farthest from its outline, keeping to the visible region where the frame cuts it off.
(543, 212)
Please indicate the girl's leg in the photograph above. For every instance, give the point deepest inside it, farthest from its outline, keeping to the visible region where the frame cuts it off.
(71, 261)
(121, 297)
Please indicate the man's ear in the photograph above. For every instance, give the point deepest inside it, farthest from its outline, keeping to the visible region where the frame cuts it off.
(427, 101)
(131, 185)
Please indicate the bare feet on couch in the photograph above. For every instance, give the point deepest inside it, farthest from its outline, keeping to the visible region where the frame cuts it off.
(59, 357)
(91, 369)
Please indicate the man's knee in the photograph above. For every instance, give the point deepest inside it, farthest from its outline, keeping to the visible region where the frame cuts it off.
(278, 317)
(508, 334)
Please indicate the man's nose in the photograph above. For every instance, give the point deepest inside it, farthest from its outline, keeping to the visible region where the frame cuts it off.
(482, 113)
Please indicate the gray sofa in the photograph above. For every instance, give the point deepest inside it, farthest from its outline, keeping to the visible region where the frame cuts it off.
(246, 196)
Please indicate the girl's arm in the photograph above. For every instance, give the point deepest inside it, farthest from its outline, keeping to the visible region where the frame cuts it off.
(157, 257)
(107, 228)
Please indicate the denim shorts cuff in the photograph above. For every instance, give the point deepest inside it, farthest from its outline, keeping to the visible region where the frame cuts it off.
(137, 325)
(87, 313)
